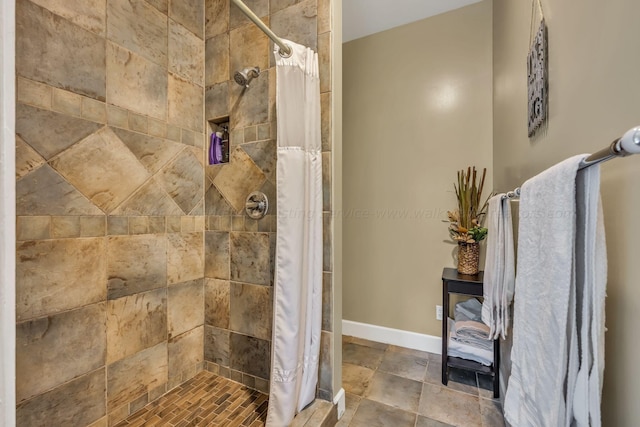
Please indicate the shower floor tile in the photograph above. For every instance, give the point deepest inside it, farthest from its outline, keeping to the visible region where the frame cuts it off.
(204, 400)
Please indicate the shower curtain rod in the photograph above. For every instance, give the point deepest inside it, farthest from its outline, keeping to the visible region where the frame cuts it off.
(285, 50)
(624, 146)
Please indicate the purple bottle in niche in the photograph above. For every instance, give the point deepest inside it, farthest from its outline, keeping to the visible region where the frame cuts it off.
(215, 148)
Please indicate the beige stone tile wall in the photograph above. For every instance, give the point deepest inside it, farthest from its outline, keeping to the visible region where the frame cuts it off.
(110, 228)
(240, 251)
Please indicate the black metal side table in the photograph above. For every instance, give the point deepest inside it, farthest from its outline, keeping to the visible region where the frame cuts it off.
(456, 283)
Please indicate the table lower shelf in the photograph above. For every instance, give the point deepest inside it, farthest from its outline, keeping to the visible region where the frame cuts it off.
(470, 365)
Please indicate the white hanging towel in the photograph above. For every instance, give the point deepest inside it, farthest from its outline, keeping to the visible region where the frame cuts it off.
(499, 269)
(558, 322)
(297, 309)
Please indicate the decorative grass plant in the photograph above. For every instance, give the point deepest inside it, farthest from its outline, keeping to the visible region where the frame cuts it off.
(465, 222)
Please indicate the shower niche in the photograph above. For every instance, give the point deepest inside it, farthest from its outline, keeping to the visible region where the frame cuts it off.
(218, 145)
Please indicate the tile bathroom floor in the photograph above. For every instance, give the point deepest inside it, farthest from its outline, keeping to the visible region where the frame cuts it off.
(204, 400)
(394, 386)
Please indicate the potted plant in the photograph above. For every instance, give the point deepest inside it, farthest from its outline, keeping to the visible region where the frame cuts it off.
(465, 222)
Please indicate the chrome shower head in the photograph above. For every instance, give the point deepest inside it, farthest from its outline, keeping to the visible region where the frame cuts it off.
(244, 77)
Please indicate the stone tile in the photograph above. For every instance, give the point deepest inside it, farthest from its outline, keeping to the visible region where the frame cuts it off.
(186, 351)
(237, 18)
(374, 414)
(96, 166)
(356, 379)
(117, 116)
(238, 179)
(183, 180)
(27, 159)
(136, 322)
(185, 311)
(485, 386)
(250, 48)
(327, 242)
(249, 355)
(249, 106)
(117, 225)
(34, 93)
(404, 365)
(362, 356)
(392, 390)
(277, 5)
(44, 58)
(324, 59)
(325, 119)
(361, 341)
(139, 225)
(161, 5)
(326, 181)
(264, 131)
(217, 303)
(216, 345)
(462, 380)
(33, 227)
(434, 369)
(67, 102)
(264, 155)
(418, 354)
(448, 406)
(327, 302)
(237, 223)
(351, 405)
(76, 403)
(326, 362)
(135, 264)
(251, 310)
(173, 133)
(217, 59)
(89, 14)
(139, 27)
(61, 131)
(138, 122)
(93, 226)
(57, 275)
(186, 53)
(217, 101)
(186, 104)
(94, 110)
(324, 16)
(65, 226)
(129, 378)
(135, 83)
(428, 422)
(216, 17)
(157, 128)
(152, 152)
(185, 257)
(150, 199)
(298, 22)
(157, 224)
(491, 413)
(189, 13)
(250, 258)
(54, 349)
(217, 255)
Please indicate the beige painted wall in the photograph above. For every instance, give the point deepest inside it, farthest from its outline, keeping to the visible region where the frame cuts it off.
(416, 108)
(594, 97)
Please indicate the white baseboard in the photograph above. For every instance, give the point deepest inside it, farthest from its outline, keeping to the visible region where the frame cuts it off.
(398, 337)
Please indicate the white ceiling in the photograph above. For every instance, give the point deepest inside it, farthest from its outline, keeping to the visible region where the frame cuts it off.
(361, 18)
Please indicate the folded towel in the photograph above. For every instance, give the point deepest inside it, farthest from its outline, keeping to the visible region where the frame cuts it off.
(472, 329)
(561, 269)
(499, 269)
(458, 348)
(470, 309)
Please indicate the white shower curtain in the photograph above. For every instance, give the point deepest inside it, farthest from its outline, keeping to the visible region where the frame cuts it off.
(298, 268)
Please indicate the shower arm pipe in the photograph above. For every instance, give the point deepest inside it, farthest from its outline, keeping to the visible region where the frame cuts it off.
(284, 48)
(624, 146)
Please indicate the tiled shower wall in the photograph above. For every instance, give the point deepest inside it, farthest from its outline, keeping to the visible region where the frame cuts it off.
(110, 204)
(240, 251)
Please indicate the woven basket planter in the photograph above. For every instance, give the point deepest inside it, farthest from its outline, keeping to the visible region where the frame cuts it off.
(468, 258)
